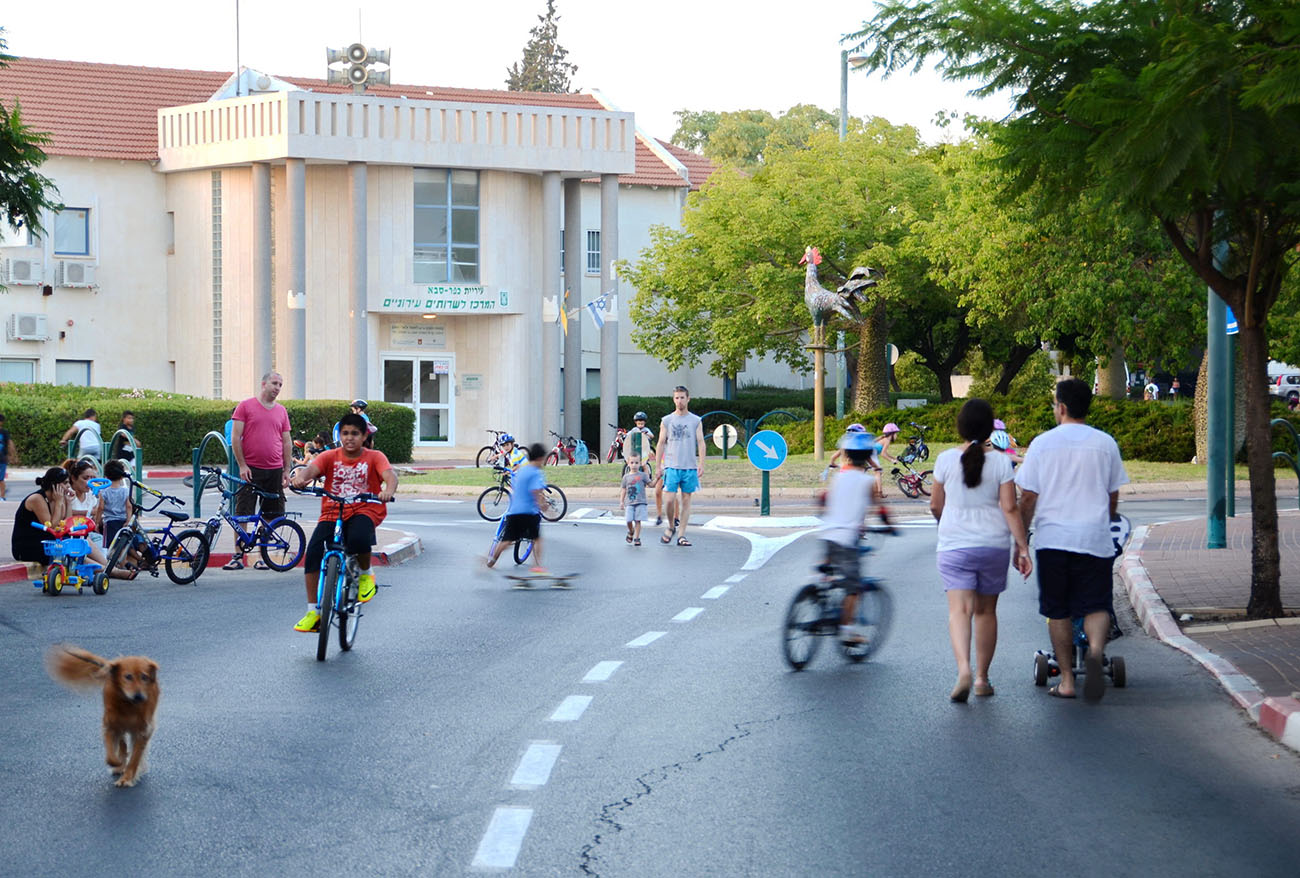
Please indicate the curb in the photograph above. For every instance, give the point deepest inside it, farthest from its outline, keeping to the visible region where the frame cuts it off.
(1279, 716)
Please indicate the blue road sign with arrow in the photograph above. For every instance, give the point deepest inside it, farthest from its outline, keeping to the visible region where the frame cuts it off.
(767, 449)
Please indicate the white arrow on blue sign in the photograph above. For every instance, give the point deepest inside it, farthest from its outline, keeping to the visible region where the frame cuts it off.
(767, 449)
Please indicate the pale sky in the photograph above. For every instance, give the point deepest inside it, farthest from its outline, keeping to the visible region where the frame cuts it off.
(650, 58)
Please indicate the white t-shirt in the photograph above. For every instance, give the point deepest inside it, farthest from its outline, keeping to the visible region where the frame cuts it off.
(90, 441)
(1073, 468)
(847, 501)
(972, 517)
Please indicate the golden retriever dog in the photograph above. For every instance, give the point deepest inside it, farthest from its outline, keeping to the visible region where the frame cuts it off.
(130, 685)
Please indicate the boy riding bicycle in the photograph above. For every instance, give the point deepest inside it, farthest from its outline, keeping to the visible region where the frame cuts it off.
(348, 470)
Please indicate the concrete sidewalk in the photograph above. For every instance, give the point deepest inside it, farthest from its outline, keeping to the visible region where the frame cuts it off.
(1194, 599)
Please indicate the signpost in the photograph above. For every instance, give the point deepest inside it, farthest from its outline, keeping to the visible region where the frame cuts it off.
(766, 451)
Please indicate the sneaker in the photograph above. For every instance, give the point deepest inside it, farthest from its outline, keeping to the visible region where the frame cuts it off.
(852, 634)
(236, 562)
(365, 587)
(308, 624)
(539, 571)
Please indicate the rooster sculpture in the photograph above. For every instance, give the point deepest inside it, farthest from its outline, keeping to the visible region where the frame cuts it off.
(823, 303)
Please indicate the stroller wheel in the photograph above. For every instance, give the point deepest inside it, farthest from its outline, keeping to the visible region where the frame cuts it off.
(1041, 670)
(1117, 674)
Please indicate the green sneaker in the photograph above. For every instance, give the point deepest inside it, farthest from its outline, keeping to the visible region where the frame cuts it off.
(365, 587)
(308, 624)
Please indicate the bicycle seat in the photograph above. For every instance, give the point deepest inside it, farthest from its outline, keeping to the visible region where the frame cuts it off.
(174, 515)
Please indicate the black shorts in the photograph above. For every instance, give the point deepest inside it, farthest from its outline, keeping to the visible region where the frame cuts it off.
(269, 480)
(524, 526)
(358, 537)
(845, 560)
(1072, 585)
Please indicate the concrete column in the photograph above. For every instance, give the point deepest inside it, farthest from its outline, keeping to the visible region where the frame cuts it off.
(295, 370)
(552, 289)
(359, 275)
(575, 255)
(262, 301)
(608, 332)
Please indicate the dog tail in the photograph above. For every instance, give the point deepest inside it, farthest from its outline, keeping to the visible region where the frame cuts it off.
(74, 666)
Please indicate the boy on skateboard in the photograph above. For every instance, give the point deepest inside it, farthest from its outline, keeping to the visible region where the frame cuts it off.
(524, 515)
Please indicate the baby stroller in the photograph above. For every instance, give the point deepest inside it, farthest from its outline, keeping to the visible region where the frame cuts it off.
(1047, 664)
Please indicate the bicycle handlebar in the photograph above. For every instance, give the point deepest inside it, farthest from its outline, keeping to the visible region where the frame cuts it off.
(175, 501)
(217, 471)
(355, 498)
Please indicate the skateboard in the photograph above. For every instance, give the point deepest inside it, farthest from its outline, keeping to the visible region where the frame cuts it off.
(556, 580)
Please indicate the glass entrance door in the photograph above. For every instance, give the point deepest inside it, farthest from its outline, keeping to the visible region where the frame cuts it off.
(425, 384)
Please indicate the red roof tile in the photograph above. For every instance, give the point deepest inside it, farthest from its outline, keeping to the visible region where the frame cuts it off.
(699, 166)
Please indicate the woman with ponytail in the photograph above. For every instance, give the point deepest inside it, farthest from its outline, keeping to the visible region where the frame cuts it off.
(974, 501)
(46, 505)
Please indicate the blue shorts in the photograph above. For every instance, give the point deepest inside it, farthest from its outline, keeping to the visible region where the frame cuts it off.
(4, 468)
(685, 480)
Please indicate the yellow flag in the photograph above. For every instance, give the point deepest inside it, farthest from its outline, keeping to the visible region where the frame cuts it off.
(564, 315)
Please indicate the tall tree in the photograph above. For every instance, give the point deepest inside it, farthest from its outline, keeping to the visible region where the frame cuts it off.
(1184, 112)
(743, 137)
(543, 67)
(24, 191)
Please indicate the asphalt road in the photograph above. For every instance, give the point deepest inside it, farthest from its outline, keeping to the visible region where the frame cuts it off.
(475, 728)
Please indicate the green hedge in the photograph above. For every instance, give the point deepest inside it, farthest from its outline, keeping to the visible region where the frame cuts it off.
(169, 425)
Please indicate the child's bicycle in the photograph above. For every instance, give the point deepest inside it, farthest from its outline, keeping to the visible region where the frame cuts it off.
(570, 450)
(337, 590)
(523, 548)
(494, 501)
(912, 483)
(818, 609)
(184, 555)
(490, 455)
(67, 553)
(279, 540)
(916, 448)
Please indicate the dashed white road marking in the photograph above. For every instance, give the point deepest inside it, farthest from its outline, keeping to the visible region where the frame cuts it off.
(534, 768)
(426, 500)
(714, 593)
(571, 708)
(601, 672)
(646, 639)
(735, 577)
(426, 523)
(688, 614)
(500, 845)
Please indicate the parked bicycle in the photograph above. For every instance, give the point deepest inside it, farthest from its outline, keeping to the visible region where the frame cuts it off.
(570, 450)
(494, 501)
(913, 483)
(491, 455)
(183, 555)
(616, 447)
(916, 448)
(337, 591)
(280, 540)
(818, 611)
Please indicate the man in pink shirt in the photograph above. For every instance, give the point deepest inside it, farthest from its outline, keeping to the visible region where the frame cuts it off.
(260, 439)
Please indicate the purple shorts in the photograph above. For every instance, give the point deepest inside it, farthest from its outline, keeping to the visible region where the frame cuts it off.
(982, 570)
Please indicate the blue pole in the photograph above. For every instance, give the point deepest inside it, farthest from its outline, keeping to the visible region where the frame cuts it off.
(1216, 314)
(1230, 427)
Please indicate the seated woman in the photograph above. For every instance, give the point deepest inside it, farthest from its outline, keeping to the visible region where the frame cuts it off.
(47, 504)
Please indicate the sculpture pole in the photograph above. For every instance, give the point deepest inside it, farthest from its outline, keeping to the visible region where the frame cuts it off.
(819, 401)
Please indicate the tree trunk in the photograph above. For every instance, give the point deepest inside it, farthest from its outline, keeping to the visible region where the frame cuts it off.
(1265, 573)
(872, 391)
(944, 377)
(1201, 411)
(1110, 374)
(1015, 361)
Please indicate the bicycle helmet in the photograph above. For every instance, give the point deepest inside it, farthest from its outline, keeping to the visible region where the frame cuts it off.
(1001, 441)
(856, 428)
(359, 404)
(891, 427)
(506, 437)
(998, 425)
(640, 416)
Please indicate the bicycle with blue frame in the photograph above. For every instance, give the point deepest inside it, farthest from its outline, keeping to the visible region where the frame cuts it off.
(280, 541)
(338, 590)
(523, 547)
(817, 611)
(183, 555)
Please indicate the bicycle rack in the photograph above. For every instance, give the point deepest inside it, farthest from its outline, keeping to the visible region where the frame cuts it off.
(1293, 459)
(198, 460)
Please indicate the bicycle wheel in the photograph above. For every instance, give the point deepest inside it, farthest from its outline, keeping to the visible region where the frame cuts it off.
(802, 627)
(487, 456)
(350, 612)
(554, 503)
(926, 481)
(875, 611)
(553, 459)
(923, 451)
(118, 548)
(55, 578)
(493, 503)
(209, 481)
(187, 556)
(523, 548)
(327, 590)
(282, 543)
(908, 486)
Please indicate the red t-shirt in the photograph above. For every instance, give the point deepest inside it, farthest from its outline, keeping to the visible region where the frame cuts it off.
(346, 478)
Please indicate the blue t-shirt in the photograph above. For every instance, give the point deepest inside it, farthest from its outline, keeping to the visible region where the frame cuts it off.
(522, 485)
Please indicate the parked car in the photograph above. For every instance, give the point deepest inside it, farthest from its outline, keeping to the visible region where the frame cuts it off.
(1286, 386)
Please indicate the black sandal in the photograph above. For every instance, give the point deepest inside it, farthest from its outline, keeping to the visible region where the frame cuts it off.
(682, 541)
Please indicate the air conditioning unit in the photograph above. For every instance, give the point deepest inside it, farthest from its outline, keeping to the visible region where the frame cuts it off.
(21, 272)
(74, 274)
(27, 327)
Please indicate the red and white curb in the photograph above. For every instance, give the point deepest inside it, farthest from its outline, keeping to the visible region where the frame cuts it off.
(1279, 716)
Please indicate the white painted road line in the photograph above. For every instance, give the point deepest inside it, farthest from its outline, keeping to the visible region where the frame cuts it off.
(535, 765)
(688, 614)
(570, 708)
(735, 577)
(646, 639)
(714, 593)
(505, 835)
(424, 500)
(601, 672)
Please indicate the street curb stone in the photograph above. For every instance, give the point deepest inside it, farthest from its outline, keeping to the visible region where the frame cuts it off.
(1280, 717)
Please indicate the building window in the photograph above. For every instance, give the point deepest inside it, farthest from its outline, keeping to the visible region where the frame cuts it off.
(446, 227)
(72, 232)
(18, 371)
(72, 372)
(593, 251)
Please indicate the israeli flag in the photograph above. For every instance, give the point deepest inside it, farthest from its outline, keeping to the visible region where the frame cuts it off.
(596, 307)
